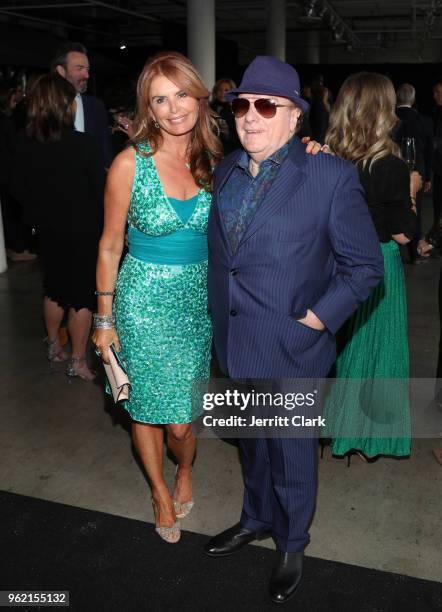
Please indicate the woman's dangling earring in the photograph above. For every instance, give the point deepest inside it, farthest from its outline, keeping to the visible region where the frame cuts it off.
(156, 124)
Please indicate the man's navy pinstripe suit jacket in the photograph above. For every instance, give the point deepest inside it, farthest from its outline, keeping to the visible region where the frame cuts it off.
(311, 244)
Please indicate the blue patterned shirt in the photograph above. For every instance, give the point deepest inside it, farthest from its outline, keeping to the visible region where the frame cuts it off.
(242, 194)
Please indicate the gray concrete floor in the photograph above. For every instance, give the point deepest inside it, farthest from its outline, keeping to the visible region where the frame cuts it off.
(62, 442)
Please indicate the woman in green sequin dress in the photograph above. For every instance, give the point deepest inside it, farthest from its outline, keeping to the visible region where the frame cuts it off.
(374, 419)
(160, 187)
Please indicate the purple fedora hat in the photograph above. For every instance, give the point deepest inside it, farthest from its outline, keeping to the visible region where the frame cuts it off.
(268, 75)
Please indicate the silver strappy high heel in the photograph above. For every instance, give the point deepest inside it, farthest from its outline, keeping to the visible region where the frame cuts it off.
(182, 509)
(54, 351)
(73, 370)
(171, 535)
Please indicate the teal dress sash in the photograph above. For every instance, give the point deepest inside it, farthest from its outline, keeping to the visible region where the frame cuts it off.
(185, 246)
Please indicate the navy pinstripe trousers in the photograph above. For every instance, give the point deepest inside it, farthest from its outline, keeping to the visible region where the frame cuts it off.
(280, 477)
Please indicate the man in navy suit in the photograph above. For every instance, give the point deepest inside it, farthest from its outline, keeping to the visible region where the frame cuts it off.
(292, 252)
(72, 63)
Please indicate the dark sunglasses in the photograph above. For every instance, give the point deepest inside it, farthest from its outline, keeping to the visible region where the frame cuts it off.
(265, 107)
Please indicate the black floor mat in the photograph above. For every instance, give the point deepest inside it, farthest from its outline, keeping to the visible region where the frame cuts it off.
(112, 563)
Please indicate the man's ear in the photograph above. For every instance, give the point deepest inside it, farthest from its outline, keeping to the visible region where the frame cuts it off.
(61, 70)
(294, 118)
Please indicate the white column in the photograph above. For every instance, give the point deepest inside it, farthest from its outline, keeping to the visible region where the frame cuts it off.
(276, 26)
(313, 48)
(3, 264)
(201, 38)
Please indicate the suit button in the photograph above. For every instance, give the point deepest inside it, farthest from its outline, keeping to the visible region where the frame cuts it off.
(234, 271)
(233, 313)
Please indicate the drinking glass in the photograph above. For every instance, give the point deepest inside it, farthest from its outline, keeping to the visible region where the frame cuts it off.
(409, 152)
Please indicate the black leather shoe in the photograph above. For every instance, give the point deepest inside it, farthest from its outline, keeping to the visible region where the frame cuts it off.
(286, 576)
(231, 540)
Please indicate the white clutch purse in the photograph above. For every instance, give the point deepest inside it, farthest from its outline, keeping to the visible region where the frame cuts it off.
(117, 376)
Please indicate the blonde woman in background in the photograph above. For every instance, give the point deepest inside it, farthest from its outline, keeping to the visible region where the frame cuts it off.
(374, 341)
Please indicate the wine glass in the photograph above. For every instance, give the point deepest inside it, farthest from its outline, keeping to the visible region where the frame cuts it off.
(409, 152)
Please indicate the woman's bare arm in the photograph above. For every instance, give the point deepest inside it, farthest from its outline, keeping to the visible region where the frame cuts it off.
(116, 206)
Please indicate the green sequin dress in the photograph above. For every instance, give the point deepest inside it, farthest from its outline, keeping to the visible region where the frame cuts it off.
(161, 299)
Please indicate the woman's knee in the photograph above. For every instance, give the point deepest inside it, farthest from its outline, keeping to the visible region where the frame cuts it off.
(180, 433)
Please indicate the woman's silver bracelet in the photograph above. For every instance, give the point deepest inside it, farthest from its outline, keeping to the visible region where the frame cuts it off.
(97, 325)
(103, 321)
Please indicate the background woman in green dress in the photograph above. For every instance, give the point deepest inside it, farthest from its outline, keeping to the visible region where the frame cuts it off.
(374, 419)
(160, 186)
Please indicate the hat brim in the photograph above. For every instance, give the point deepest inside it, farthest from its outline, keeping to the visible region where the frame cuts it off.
(268, 91)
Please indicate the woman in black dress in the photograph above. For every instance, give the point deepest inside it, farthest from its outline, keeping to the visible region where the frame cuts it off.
(59, 179)
(17, 234)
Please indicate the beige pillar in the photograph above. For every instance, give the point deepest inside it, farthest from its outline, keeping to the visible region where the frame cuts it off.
(201, 38)
(313, 48)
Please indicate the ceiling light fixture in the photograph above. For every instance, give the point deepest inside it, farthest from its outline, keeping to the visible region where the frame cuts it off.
(310, 14)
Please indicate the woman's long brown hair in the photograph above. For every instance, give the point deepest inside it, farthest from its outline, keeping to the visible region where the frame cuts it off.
(50, 108)
(363, 118)
(205, 148)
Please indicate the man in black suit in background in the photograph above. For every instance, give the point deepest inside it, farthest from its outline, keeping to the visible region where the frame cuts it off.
(413, 125)
(71, 62)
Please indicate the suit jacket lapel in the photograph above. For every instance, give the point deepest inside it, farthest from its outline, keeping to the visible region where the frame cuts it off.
(224, 174)
(288, 180)
(221, 178)
(86, 114)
